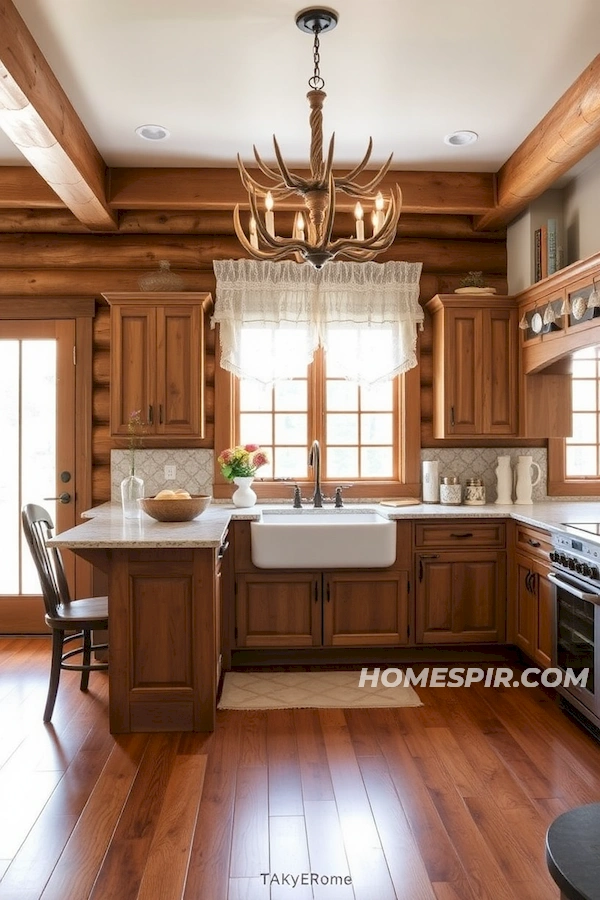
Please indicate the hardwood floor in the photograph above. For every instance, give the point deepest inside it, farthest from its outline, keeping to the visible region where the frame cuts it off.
(449, 801)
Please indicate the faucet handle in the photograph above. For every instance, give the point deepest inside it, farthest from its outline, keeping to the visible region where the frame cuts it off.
(338, 494)
(297, 497)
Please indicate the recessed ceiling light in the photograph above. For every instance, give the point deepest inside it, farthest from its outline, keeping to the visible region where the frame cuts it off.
(461, 138)
(152, 132)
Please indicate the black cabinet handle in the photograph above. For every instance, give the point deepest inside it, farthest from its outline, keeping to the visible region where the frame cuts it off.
(160, 415)
(421, 558)
(316, 592)
(464, 534)
(328, 593)
(452, 416)
(222, 550)
(534, 543)
(150, 414)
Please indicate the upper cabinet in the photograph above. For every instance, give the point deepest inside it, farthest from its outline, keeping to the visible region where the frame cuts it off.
(475, 377)
(157, 364)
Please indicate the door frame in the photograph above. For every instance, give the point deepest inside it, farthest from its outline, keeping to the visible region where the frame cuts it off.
(81, 312)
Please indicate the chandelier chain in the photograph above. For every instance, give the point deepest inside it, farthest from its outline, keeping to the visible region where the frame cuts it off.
(316, 82)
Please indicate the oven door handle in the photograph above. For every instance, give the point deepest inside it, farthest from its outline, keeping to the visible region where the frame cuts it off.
(571, 589)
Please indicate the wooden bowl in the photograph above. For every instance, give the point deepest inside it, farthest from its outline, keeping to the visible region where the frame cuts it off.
(182, 510)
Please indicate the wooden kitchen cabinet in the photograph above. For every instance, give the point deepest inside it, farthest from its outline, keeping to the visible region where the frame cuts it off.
(475, 380)
(460, 597)
(365, 609)
(157, 364)
(530, 606)
(278, 610)
(322, 609)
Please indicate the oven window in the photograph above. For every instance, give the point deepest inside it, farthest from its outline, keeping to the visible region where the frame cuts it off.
(575, 635)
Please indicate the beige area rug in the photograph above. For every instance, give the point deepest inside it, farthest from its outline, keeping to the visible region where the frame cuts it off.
(309, 690)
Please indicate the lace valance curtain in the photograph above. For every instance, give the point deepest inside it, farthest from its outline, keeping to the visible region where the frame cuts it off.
(273, 315)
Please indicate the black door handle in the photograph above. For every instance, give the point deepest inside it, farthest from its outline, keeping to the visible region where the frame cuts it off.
(62, 498)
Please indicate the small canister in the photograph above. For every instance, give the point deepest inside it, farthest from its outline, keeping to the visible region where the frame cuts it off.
(474, 492)
(450, 491)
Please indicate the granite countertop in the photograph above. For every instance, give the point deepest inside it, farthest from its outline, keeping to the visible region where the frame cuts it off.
(105, 526)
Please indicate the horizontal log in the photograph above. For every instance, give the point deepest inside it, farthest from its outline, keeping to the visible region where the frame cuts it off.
(88, 282)
(468, 193)
(56, 221)
(93, 282)
(426, 404)
(101, 368)
(101, 328)
(100, 484)
(193, 252)
(101, 404)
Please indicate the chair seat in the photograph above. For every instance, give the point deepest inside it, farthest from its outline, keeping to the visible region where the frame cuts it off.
(77, 612)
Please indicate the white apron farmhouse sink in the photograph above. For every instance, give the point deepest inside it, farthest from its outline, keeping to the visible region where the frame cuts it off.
(323, 539)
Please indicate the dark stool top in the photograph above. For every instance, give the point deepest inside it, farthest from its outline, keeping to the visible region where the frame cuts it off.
(573, 852)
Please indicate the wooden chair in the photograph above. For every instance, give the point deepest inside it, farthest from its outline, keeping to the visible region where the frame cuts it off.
(62, 614)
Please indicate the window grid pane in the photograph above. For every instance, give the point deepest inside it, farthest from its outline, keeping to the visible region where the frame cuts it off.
(359, 435)
(582, 459)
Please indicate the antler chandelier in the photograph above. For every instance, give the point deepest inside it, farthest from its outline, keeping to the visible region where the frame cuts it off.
(312, 233)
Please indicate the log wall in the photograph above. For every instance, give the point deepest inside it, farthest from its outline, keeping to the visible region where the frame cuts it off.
(63, 261)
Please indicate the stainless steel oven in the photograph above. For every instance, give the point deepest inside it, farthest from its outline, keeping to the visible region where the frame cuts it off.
(576, 625)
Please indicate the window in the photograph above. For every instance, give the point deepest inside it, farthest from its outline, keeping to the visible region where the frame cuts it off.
(582, 457)
(574, 463)
(369, 435)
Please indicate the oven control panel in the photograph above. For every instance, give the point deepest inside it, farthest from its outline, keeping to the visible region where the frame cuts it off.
(581, 558)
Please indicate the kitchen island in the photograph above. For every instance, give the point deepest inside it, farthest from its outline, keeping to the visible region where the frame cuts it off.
(164, 615)
(165, 601)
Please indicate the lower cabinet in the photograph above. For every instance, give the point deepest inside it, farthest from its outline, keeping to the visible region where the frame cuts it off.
(460, 597)
(532, 609)
(322, 609)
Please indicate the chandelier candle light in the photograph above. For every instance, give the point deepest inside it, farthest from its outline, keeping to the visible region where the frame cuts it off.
(312, 233)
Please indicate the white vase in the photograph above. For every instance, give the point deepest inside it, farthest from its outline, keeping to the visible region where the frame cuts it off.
(525, 483)
(504, 480)
(132, 490)
(244, 495)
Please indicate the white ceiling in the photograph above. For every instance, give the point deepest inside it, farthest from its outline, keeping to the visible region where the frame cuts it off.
(224, 75)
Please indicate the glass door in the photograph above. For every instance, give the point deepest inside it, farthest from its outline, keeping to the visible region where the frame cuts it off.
(37, 406)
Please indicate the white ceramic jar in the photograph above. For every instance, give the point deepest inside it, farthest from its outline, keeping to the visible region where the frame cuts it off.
(450, 491)
(474, 492)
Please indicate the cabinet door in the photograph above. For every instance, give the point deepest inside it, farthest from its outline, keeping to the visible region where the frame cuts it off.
(525, 612)
(365, 609)
(464, 371)
(278, 610)
(132, 366)
(460, 598)
(500, 415)
(179, 375)
(544, 610)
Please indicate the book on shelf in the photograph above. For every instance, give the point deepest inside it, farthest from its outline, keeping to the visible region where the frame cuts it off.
(544, 230)
(552, 257)
(537, 254)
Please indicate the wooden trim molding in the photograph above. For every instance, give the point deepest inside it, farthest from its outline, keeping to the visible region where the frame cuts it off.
(48, 308)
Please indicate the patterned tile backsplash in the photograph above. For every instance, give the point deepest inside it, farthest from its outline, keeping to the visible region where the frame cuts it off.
(481, 462)
(194, 470)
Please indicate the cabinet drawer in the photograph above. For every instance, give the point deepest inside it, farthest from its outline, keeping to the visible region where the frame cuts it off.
(460, 533)
(533, 542)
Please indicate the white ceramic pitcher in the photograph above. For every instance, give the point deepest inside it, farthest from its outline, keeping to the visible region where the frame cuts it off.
(504, 480)
(524, 480)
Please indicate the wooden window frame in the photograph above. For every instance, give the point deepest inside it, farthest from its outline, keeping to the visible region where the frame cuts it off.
(559, 484)
(407, 464)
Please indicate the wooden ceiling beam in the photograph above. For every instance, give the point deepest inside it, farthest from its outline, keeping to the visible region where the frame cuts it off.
(39, 119)
(454, 193)
(567, 133)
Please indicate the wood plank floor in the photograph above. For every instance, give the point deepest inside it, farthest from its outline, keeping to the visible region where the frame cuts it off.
(449, 801)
